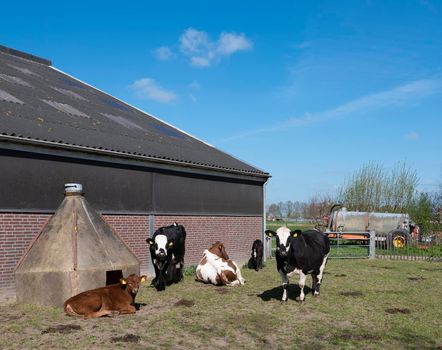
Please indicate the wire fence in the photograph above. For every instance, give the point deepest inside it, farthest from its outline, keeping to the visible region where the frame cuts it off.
(368, 245)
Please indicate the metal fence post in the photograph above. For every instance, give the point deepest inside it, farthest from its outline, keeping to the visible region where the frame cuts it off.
(372, 245)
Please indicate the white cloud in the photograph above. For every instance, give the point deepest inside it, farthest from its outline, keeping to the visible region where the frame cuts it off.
(163, 53)
(203, 52)
(230, 43)
(147, 88)
(398, 96)
(412, 136)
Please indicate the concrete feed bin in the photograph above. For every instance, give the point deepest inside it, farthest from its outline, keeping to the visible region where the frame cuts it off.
(76, 251)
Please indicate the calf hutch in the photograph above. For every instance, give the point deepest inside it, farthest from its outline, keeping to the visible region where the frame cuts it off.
(138, 173)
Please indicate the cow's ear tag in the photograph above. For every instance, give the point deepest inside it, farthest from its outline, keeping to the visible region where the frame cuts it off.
(170, 244)
(149, 241)
(295, 235)
(143, 279)
(123, 281)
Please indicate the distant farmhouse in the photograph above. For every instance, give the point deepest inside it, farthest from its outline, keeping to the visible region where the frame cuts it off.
(138, 172)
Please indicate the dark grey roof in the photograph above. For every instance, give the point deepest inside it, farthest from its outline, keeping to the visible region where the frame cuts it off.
(40, 103)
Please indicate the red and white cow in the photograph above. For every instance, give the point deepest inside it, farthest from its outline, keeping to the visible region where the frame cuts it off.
(216, 267)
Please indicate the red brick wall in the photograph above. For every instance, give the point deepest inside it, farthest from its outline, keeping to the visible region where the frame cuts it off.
(17, 231)
(133, 230)
(237, 234)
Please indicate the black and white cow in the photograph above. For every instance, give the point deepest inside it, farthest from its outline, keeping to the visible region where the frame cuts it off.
(302, 253)
(255, 261)
(167, 248)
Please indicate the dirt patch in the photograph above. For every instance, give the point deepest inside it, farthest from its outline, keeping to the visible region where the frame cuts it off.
(10, 318)
(352, 336)
(62, 328)
(352, 294)
(128, 338)
(341, 275)
(420, 278)
(185, 302)
(222, 291)
(396, 310)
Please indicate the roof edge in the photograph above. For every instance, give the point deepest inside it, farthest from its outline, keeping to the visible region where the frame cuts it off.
(126, 155)
(26, 56)
(159, 119)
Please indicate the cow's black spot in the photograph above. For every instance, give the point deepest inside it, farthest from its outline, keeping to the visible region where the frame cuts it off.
(128, 338)
(62, 328)
(396, 310)
(351, 294)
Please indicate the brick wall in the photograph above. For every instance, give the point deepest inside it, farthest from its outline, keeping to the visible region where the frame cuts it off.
(133, 230)
(17, 232)
(237, 234)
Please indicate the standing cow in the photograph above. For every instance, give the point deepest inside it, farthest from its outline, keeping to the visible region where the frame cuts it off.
(255, 261)
(302, 253)
(167, 247)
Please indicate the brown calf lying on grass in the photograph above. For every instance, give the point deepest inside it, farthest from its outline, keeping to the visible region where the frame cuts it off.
(110, 300)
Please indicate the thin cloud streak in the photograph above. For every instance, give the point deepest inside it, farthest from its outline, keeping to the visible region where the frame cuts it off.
(401, 95)
(147, 88)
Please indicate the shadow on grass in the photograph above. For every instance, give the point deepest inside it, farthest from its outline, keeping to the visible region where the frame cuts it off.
(139, 305)
(276, 293)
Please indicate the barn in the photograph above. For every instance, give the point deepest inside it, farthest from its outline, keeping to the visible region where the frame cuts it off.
(138, 172)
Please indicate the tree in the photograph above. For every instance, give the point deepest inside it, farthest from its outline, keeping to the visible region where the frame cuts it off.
(372, 188)
(423, 212)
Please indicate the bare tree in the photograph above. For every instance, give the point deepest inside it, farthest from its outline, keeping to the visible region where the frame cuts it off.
(372, 188)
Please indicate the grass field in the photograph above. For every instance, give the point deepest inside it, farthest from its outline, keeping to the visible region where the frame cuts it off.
(370, 304)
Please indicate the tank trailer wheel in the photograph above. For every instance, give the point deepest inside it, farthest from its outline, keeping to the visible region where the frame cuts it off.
(398, 239)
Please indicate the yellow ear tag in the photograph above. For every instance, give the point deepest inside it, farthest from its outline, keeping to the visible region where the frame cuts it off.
(295, 235)
(142, 279)
(123, 281)
(170, 244)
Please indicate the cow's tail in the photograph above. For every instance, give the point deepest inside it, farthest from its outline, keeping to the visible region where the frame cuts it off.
(68, 310)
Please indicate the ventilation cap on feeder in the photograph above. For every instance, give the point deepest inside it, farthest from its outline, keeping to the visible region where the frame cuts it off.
(73, 189)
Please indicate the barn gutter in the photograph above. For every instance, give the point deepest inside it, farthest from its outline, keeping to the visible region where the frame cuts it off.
(264, 220)
(125, 155)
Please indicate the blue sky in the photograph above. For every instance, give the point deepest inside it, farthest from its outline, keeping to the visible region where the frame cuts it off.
(308, 91)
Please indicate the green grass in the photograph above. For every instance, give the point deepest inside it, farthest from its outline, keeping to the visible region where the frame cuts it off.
(371, 304)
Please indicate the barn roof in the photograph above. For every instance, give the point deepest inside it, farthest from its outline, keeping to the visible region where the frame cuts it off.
(42, 105)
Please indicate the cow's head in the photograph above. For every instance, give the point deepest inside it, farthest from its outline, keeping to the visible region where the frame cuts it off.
(132, 283)
(218, 249)
(283, 239)
(160, 245)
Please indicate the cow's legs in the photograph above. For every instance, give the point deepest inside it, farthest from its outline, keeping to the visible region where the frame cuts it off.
(285, 285)
(98, 313)
(315, 284)
(238, 274)
(129, 310)
(320, 275)
(302, 278)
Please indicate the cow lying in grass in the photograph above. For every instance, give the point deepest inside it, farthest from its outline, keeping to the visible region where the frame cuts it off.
(106, 301)
(215, 267)
(302, 253)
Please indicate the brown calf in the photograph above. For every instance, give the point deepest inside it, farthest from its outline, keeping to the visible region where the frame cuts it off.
(110, 300)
